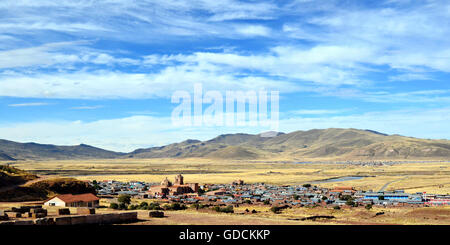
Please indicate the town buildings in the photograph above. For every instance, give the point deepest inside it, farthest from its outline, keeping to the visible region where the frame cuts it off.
(239, 192)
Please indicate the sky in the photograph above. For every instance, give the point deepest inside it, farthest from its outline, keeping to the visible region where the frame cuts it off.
(103, 72)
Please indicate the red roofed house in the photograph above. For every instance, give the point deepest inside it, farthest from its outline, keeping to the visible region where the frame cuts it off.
(69, 200)
(343, 189)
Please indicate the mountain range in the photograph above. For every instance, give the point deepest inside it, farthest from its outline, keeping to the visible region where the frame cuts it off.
(333, 143)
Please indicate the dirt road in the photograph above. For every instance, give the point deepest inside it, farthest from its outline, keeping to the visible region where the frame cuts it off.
(390, 182)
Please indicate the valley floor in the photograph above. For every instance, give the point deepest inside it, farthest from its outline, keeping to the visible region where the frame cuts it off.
(353, 216)
(411, 176)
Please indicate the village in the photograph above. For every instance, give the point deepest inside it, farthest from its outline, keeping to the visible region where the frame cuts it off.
(80, 209)
(239, 192)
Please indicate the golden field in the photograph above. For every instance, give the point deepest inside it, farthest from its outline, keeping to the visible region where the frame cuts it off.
(430, 176)
(293, 216)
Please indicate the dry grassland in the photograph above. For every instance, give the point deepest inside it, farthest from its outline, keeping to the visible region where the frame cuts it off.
(432, 177)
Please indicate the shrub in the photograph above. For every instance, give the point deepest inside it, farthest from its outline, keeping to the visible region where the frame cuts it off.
(175, 206)
(307, 185)
(368, 206)
(267, 202)
(125, 199)
(133, 207)
(345, 197)
(227, 209)
(154, 206)
(277, 209)
(114, 205)
(122, 206)
(336, 207)
(143, 205)
(198, 206)
(350, 202)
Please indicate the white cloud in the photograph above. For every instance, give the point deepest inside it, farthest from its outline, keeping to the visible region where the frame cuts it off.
(87, 107)
(55, 54)
(317, 112)
(29, 104)
(106, 84)
(253, 30)
(410, 77)
(153, 19)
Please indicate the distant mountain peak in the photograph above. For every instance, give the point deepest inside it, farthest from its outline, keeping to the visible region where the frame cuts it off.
(332, 143)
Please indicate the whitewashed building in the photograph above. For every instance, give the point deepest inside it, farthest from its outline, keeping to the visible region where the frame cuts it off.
(69, 200)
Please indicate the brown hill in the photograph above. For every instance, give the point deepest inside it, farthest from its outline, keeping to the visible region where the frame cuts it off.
(10, 150)
(317, 143)
(331, 143)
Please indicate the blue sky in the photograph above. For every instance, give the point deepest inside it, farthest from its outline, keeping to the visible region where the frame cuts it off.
(103, 72)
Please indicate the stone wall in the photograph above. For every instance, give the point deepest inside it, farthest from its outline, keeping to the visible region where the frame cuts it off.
(93, 219)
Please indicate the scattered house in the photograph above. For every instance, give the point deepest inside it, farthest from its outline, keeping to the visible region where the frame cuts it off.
(69, 200)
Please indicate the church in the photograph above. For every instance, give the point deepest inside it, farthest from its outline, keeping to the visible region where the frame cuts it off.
(166, 188)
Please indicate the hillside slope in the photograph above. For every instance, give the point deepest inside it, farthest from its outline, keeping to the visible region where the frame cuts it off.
(333, 143)
(317, 143)
(10, 150)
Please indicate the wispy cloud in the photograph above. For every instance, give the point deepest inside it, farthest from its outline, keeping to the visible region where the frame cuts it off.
(317, 112)
(29, 104)
(87, 107)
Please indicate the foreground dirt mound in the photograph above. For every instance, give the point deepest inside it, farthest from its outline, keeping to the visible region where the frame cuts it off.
(431, 213)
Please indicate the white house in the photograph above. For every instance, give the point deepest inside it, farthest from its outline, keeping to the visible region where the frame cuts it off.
(69, 200)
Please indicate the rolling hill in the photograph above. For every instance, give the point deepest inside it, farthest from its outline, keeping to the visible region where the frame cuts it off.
(333, 143)
(17, 185)
(316, 143)
(10, 150)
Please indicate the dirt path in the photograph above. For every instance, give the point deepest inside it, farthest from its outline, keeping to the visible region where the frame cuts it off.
(390, 182)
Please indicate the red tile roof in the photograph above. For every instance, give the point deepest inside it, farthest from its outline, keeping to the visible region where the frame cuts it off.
(69, 198)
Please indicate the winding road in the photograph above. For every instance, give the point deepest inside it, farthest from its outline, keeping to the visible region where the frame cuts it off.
(390, 182)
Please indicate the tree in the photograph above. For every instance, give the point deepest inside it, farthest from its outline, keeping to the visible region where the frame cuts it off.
(125, 199)
(350, 202)
(336, 207)
(114, 205)
(122, 206)
(266, 202)
(143, 205)
(307, 185)
(175, 206)
(368, 206)
(154, 206)
(132, 207)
